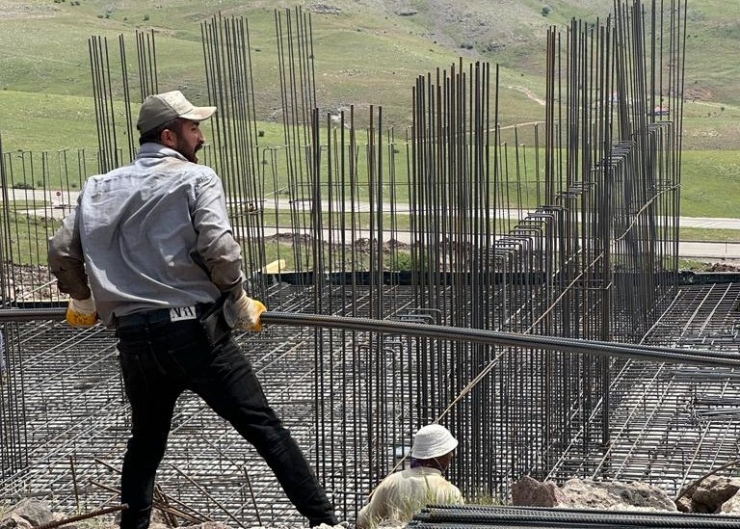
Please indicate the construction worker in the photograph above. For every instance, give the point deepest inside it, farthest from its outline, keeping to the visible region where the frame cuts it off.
(150, 251)
(402, 494)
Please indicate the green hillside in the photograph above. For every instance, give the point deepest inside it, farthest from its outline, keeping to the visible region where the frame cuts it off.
(367, 52)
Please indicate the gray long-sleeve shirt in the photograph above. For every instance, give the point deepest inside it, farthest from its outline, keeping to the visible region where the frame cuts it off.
(153, 234)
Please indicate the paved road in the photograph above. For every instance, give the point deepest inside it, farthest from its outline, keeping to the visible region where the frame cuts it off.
(729, 251)
(710, 250)
(697, 250)
(710, 223)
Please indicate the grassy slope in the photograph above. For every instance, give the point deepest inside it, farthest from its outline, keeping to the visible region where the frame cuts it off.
(368, 52)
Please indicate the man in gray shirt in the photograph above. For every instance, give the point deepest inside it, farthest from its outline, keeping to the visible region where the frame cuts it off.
(149, 250)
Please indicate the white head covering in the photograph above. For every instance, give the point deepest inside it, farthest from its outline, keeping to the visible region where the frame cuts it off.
(433, 440)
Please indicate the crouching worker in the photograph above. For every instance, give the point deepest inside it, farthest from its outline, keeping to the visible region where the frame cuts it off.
(402, 494)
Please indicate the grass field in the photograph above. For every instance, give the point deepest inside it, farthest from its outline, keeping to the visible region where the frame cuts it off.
(366, 53)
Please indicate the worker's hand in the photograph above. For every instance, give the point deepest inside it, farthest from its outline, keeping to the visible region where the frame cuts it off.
(81, 312)
(248, 314)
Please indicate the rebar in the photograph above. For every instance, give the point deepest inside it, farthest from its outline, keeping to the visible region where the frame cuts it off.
(499, 516)
(517, 282)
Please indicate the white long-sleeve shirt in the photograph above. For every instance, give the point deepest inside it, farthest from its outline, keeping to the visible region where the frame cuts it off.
(404, 493)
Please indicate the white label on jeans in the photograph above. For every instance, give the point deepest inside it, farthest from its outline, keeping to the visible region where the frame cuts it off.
(182, 313)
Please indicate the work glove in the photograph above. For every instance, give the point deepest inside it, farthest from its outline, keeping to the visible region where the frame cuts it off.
(81, 312)
(248, 314)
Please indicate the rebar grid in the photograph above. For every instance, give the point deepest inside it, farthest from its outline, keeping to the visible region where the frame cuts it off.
(565, 228)
(675, 421)
(663, 431)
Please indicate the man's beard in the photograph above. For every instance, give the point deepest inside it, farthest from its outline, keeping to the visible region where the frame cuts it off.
(187, 152)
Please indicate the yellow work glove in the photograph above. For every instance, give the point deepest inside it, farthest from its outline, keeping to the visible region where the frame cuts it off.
(248, 314)
(81, 312)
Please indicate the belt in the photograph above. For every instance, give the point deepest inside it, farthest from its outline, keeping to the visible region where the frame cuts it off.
(170, 315)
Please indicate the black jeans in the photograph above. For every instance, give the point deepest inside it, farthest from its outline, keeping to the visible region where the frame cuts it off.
(161, 360)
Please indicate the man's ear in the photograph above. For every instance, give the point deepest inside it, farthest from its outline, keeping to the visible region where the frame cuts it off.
(168, 138)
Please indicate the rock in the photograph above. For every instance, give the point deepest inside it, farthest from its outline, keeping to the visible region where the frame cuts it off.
(711, 493)
(209, 525)
(579, 494)
(531, 493)
(324, 9)
(732, 506)
(13, 521)
(684, 504)
(58, 517)
(616, 496)
(699, 508)
(34, 511)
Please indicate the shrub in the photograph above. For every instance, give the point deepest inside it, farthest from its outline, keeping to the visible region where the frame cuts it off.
(403, 262)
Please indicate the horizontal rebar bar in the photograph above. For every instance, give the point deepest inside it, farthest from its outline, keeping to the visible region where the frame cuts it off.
(549, 343)
(502, 516)
(18, 315)
(634, 352)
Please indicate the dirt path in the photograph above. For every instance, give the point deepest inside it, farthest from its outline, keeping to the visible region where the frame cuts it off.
(527, 92)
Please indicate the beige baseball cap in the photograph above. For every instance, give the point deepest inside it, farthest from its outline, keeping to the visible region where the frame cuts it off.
(158, 109)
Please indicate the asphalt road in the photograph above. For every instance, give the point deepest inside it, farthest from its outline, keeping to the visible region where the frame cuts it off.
(729, 251)
(710, 250)
(693, 250)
